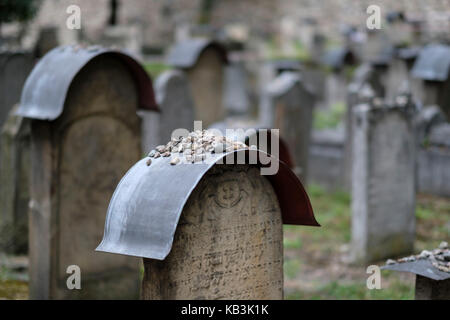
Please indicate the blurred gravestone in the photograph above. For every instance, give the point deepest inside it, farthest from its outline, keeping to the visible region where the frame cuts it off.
(288, 106)
(175, 101)
(14, 184)
(204, 63)
(85, 133)
(433, 67)
(235, 97)
(383, 181)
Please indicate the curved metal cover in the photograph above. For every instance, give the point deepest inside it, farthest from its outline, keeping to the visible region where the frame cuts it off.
(337, 58)
(420, 267)
(185, 54)
(433, 63)
(147, 204)
(46, 88)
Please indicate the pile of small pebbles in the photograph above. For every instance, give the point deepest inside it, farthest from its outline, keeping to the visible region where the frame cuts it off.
(195, 147)
(439, 257)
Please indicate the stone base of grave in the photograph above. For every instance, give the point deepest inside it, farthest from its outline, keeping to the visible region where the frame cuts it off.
(429, 289)
(228, 244)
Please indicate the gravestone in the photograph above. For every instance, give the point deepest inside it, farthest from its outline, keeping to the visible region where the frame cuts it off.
(14, 184)
(14, 69)
(213, 232)
(85, 133)
(365, 86)
(288, 107)
(433, 67)
(176, 104)
(383, 181)
(338, 60)
(204, 62)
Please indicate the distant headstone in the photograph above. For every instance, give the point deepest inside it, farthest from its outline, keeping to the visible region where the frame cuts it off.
(215, 254)
(235, 98)
(175, 101)
(204, 63)
(288, 107)
(14, 184)
(85, 133)
(383, 181)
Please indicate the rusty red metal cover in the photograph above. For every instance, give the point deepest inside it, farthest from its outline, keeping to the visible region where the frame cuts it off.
(145, 208)
(46, 87)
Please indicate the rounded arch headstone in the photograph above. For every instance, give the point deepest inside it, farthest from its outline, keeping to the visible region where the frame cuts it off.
(90, 98)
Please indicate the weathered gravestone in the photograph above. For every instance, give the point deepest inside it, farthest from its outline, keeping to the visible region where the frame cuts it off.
(14, 184)
(209, 230)
(288, 106)
(176, 109)
(434, 161)
(204, 62)
(383, 181)
(14, 69)
(433, 67)
(338, 60)
(85, 133)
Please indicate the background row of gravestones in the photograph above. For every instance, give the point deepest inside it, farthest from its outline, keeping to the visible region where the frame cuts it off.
(62, 146)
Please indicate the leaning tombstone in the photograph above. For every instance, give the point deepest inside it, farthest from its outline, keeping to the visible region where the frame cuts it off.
(383, 180)
(85, 133)
(288, 106)
(203, 61)
(433, 67)
(212, 229)
(14, 184)
(432, 270)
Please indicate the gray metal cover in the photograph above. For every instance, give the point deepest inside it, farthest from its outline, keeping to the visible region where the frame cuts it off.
(185, 54)
(337, 58)
(146, 206)
(421, 267)
(46, 88)
(433, 63)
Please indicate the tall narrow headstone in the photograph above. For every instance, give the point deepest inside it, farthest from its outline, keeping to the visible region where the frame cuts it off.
(14, 184)
(433, 67)
(204, 62)
(14, 70)
(383, 181)
(85, 133)
(288, 107)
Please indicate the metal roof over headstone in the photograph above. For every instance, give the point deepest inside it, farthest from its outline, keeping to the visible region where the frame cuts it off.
(420, 267)
(433, 63)
(185, 54)
(147, 204)
(46, 88)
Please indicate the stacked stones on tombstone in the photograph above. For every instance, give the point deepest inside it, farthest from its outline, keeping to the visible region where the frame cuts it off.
(175, 151)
